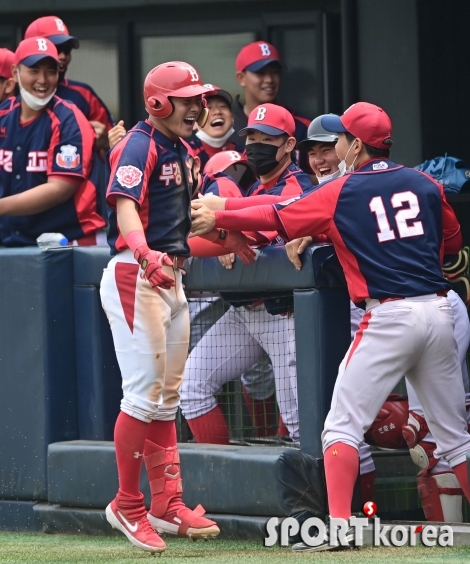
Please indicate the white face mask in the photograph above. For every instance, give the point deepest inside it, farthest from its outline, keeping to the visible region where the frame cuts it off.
(331, 176)
(32, 101)
(216, 142)
(343, 167)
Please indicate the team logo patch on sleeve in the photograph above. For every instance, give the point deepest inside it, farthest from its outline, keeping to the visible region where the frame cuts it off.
(128, 176)
(67, 158)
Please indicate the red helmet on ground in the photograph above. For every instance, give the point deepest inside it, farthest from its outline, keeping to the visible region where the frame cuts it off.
(386, 431)
(175, 78)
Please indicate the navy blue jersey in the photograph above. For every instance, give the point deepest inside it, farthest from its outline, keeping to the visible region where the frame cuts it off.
(220, 184)
(292, 182)
(59, 142)
(387, 223)
(86, 99)
(155, 172)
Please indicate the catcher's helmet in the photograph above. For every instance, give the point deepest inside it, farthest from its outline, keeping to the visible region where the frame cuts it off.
(386, 430)
(176, 79)
(316, 133)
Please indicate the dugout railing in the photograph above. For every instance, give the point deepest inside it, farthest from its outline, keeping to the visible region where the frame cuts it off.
(61, 390)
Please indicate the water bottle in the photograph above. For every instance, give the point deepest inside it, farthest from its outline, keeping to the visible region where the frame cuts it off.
(51, 241)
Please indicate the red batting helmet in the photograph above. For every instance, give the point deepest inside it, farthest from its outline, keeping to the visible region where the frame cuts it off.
(223, 160)
(177, 79)
(385, 431)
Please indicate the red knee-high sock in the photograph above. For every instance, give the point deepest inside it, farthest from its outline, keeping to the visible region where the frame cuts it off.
(341, 467)
(262, 413)
(367, 486)
(462, 476)
(129, 439)
(210, 428)
(282, 430)
(162, 433)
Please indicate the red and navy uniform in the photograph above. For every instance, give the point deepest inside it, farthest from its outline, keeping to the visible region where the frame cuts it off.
(292, 182)
(388, 224)
(58, 143)
(154, 171)
(86, 99)
(205, 151)
(220, 184)
(301, 128)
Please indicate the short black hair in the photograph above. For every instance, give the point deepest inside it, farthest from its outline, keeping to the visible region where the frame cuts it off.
(371, 151)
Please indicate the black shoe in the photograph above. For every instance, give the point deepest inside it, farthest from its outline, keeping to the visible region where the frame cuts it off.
(325, 545)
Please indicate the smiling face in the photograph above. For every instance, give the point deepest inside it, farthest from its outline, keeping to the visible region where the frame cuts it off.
(323, 159)
(39, 80)
(261, 87)
(181, 122)
(220, 118)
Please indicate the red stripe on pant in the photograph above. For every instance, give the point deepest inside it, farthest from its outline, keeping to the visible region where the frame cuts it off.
(359, 334)
(126, 281)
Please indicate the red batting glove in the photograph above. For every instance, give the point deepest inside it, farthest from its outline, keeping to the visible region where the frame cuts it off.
(150, 261)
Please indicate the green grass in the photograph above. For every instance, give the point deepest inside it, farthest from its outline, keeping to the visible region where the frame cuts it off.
(40, 548)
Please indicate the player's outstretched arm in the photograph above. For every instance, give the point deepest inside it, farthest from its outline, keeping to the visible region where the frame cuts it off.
(203, 219)
(40, 198)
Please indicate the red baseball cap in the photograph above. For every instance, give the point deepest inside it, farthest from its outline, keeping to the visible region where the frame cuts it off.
(367, 122)
(216, 91)
(53, 28)
(270, 119)
(31, 51)
(255, 56)
(7, 58)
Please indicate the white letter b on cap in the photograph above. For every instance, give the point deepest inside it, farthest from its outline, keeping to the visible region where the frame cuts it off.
(42, 45)
(265, 50)
(260, 114)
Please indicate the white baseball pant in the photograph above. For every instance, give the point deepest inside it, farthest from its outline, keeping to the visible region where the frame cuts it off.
(412, 336)
(236, 342)
(151, 337)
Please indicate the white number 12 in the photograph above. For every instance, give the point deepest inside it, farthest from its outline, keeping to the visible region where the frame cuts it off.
(386, 233)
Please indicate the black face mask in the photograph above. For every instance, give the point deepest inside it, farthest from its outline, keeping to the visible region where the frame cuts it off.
(262, 157)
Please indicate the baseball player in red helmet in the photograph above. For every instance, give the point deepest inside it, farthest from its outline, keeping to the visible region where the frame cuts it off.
(48, 172)
(7, 82)
(391, 250)
(79, 93)
(258, 69)
(149, 189)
